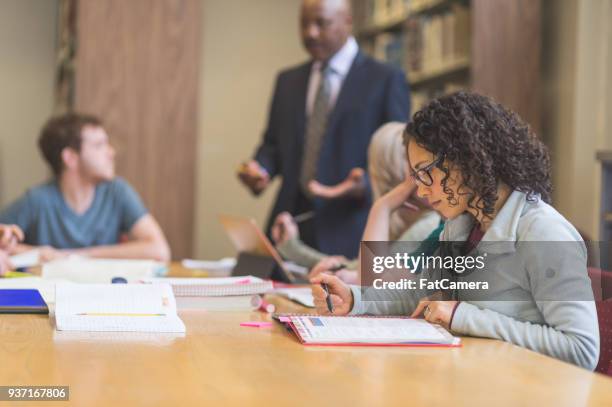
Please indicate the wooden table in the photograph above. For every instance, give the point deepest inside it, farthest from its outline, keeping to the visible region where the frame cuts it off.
(220, 362)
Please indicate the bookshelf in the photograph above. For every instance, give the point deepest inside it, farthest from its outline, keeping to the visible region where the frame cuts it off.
(490, 46)
(440, 72)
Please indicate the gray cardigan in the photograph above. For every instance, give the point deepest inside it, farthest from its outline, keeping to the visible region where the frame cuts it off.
(539, 295)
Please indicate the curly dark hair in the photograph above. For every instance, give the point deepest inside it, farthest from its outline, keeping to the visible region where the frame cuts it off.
(488, 143)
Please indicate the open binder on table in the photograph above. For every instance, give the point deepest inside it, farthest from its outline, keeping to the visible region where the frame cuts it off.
(367, 331)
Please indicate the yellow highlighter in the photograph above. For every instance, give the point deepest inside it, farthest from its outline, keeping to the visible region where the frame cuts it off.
(16, 274)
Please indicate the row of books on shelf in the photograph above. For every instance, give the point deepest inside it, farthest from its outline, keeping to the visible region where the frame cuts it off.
(372, 13)
(419, 98)
(437, 40)
(426, 43)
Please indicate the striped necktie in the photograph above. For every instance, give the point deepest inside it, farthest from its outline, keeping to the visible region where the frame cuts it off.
(315, 131)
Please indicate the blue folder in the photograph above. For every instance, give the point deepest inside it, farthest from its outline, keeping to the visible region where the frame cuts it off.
(22, 301)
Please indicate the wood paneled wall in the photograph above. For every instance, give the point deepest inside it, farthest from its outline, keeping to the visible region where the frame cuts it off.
(137, 69)
(506, 54)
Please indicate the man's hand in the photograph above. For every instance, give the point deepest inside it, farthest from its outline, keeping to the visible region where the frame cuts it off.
(326, 264)
(10, 235)
(284, 228)
(48, 253)
(354, 186)
(254, 176)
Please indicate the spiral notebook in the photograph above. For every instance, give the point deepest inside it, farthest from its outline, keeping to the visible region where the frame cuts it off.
(368, 331)
(214, 287)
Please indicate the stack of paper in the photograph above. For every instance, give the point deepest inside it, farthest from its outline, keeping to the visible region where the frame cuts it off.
(301, 295)
(295, 268)
(30, 258)
(116, 308)
(220, 268)
(216, 294)
(86, 270)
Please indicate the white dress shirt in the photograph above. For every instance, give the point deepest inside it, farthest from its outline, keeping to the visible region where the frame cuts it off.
(340, 64)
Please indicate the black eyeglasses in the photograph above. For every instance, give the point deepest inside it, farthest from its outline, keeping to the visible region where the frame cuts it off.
(423, 175)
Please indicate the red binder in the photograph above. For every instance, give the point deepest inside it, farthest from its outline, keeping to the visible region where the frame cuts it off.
(367, 331)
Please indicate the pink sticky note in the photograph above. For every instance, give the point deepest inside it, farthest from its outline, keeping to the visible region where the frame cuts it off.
(257, 324)
(243, 281)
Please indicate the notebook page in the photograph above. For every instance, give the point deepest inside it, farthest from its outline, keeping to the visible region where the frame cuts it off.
(94, 307)
(153, 338)
(295, 268)
(170, 323)
(29, 258)
(131, 298)
(320, 329)
(302, 295)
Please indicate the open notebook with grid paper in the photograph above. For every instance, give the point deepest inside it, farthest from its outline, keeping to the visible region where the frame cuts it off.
(116, 308)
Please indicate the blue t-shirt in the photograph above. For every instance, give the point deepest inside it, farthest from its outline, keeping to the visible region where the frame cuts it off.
(46, 219)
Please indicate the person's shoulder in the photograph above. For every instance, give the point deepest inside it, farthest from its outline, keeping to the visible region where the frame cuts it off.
(375, 67)
(38, 198)
(294, 71)
(117, 184)
(116, 188)
(542, 222)
(42, 192)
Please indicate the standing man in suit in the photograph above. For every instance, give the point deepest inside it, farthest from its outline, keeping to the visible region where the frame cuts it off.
(322, 117)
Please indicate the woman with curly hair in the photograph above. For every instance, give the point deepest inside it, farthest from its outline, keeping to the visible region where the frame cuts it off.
(480, 166)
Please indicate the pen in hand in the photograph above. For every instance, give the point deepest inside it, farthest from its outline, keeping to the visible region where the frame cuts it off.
(339, 267)
(302, 217)
(330, 306)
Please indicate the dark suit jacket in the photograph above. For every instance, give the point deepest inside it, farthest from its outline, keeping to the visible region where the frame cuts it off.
(371, 95)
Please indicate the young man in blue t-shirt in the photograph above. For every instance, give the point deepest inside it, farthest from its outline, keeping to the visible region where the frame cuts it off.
(85, 209)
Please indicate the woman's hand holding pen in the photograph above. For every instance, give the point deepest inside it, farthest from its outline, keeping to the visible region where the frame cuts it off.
(340, 295)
